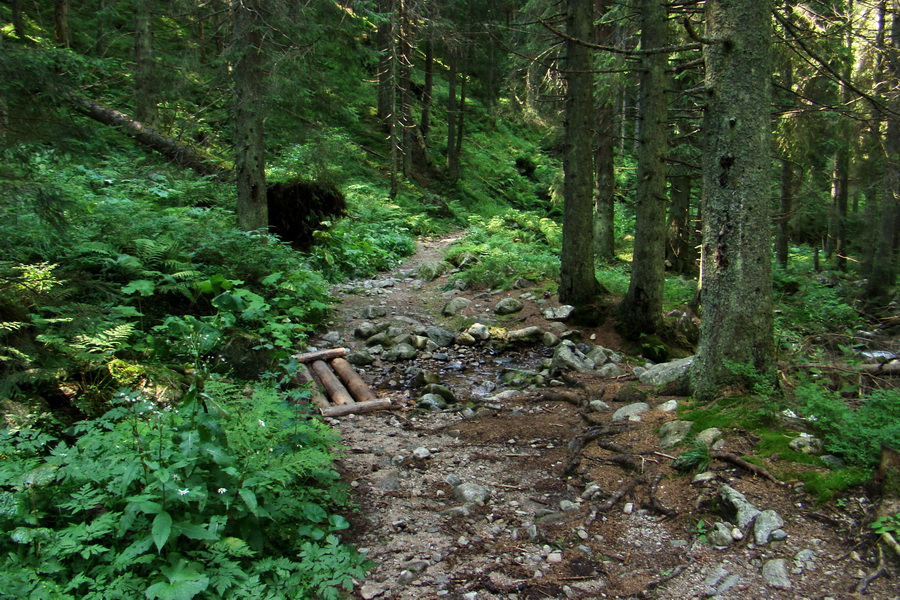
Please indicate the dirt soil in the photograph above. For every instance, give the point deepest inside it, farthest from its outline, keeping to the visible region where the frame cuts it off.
(538, 535)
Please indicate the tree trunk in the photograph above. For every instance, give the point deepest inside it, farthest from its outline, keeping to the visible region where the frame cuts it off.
(144, 88)
(884, 268)
(452, 158)
(737, 331)
(604, 154)
(428, 92)
(680, 254)
(247, 75)
(403, 87)
(460, 123)
(578, 283)
(840, 181)
(641, 309)
(783, 237)
(384, 40)
(176, 151)
(18, 19)
(62, 34)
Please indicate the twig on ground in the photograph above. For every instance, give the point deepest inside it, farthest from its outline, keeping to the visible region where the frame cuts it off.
(658, 582)
(740, 462)
(621, 493)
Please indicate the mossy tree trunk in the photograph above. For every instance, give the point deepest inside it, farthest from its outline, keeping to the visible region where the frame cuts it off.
(641, 309)
(578, 283)
(247, 77)
(737, 326)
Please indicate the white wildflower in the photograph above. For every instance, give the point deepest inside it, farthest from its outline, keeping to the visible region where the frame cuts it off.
(261, 423)
(222, 490)
(183, 492)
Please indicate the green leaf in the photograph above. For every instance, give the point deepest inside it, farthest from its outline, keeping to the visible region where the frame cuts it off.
(338, 522)
(142, 286)
(195, 532)
(127, 311)
(314, 513)
(249, 499)
(162, 529)
(229, 302)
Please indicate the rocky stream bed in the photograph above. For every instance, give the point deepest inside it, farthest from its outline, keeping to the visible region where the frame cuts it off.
(533, 459)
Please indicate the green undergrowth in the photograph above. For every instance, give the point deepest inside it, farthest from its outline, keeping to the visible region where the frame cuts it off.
(852, 429)
(229, 496)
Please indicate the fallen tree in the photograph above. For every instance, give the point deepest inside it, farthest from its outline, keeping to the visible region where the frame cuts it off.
(172, 149)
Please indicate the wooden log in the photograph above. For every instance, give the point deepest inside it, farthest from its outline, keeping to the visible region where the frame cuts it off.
(355, 384)
(307, 357)
(333, 387)
(303, 376)
(356, 407)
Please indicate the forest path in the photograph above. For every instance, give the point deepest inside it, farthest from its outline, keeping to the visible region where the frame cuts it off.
(476, 501)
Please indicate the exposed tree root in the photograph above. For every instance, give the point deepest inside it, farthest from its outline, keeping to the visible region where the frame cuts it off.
(621, 493)
(740, 462)
(653, 503)
(657, 582)
(577, 445)
(562, 396)
(878, 572)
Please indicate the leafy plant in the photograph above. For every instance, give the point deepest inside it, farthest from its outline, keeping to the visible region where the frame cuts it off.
(856, 434)
(695, 458)
(224, 496)
(887, 524)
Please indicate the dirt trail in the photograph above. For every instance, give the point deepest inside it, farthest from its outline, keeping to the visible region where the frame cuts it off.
(476, 501)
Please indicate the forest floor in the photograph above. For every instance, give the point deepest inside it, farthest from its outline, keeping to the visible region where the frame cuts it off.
(534, 533)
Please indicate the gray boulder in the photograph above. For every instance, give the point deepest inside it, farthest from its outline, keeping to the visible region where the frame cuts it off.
(560, 313)
(674, 432)
(439, 336)
(508, 306)
(528, 335)
(400, 352)
(746, 512)
(567, 358)
(664, 373)
(455, 306)
(632, 412)
(775, 573)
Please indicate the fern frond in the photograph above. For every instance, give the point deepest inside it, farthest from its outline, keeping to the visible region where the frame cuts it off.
(9, 326)
(103, 342)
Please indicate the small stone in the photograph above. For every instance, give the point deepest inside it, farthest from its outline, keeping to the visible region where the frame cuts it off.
(455, 306)
(599, 405)
(472, 493)
(833, 462)
(567, 506)
(628, 508)
(368, 592)
(807, 445)
(776, 575)
(452, 480)
(766, 522)
(555, 558)
(667, 406)
(360, 358)
(610, 371)
(432, 402)
(365, 330)
(374, 312)
(479, 331)
(631, 412)
(470, 596)
(508, 306)
(530, 335)
(720, 536)
(465, 339)
(673, 432)
(709, 436)
(421, 453)
(704, 477)
(560, 313)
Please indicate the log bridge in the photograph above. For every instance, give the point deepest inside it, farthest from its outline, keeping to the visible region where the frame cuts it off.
(345, 392)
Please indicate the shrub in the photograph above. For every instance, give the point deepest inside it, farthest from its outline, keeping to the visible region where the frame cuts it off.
(225, 496)
(854, 433)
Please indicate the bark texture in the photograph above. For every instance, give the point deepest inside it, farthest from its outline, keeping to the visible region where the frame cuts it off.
(144, 88)
(604, 155)
(884, 267)
(641, 309)
(578, 284)
(249, 149)
(737, 327)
